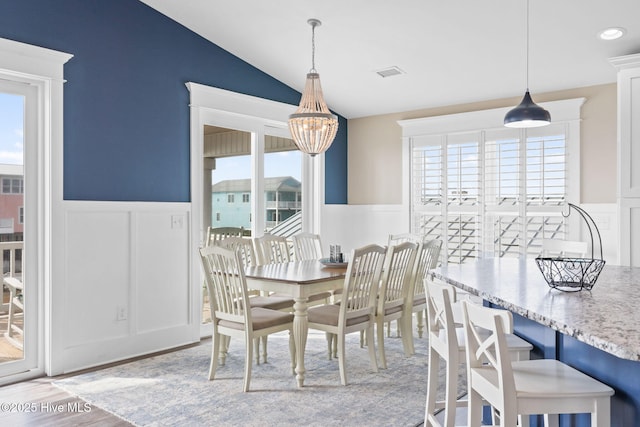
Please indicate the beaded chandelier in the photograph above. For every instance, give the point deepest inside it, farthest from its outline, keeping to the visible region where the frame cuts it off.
(312, 126)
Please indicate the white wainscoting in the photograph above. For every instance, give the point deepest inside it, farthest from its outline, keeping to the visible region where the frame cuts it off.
(352, 226)
(125, 288)
(605, 216)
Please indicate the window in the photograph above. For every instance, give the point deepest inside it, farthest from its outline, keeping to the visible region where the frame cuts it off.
(21, 215)
(218, 216)
(245, 198)
(12, 185)
(231, 198)
(491, 191)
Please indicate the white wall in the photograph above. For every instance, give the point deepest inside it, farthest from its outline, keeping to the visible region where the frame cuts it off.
(125, 287)
(353, 226)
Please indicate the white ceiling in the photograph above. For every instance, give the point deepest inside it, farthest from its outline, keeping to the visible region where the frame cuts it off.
(453, 52)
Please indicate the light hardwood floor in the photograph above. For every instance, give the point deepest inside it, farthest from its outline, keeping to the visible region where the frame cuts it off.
(43, 404)
(39, 403)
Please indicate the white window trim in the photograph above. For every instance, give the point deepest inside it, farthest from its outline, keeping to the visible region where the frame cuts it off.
(43, 69)
(219, 107)
(564, 111)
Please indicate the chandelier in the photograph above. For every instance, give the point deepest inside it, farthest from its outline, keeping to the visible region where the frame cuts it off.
(312, 126)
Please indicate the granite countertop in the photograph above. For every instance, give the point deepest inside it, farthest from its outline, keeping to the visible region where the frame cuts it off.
(607, 317)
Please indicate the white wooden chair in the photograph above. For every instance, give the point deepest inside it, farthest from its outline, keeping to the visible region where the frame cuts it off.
(544, 386)
(243, 246)
(307, 246)
(427, 259)
(247, 256)
(395, 239)
(12, 280)
(272, 249)
(356, 311)
(229, 299)
(446, 341)
(215, 234)
(393, 294)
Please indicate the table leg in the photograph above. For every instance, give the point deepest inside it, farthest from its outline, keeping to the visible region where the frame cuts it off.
(300, 331)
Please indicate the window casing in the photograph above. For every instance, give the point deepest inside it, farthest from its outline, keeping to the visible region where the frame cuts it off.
(491, 191)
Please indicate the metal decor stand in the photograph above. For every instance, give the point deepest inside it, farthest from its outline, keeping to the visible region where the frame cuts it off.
(574, 274)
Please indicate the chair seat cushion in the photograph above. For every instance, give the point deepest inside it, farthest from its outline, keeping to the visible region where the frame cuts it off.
(262, 318)
(271, 302)
(328, 315)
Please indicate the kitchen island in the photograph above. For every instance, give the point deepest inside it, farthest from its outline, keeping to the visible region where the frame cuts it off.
(594, 331)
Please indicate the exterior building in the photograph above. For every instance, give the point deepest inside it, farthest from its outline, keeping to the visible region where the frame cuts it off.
(231, 201)
(11, 202)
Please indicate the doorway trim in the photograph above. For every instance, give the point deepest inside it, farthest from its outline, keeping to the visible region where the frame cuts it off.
(223, 108)
(42, 69)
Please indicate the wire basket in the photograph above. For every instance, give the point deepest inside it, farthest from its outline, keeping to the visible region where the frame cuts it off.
(573, 274)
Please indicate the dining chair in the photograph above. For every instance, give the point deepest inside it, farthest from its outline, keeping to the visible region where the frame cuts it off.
(356, 310)
(393, 293)
(427, 259)
(542, 386)
(215, 234)
(231, 313)
(307, 246)
(395, 239)
(446, 341)
(272, 249)
(247, 256)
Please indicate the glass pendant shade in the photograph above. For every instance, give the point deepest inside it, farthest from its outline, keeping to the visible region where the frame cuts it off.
(312, 126)
(527, 114)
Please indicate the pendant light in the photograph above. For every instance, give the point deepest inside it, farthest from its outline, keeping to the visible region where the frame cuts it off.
(527, 114)
(312, 126)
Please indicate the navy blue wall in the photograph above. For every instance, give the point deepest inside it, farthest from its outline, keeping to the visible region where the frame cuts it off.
(126, 115)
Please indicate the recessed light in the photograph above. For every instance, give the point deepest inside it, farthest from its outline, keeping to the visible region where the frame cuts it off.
(612, 33)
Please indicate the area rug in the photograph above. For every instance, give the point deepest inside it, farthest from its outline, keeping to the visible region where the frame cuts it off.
(172, 389)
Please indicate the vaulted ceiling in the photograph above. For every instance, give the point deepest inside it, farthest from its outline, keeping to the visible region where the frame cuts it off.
(449, 52)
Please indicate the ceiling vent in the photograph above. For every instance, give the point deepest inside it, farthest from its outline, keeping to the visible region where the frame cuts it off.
(389, 72)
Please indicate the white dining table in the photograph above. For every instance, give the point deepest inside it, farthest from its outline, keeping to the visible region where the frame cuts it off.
(299, 279)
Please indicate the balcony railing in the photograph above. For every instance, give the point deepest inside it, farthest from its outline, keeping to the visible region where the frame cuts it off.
(282, 204)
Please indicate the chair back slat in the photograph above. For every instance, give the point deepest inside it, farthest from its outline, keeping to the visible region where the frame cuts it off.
(216, 234)
(396, 273)
(272, 249)
(226, 284)
(426, 260)
(490, 351)
(244, 247)
(440, 297)
(307, 246)
(361, 281)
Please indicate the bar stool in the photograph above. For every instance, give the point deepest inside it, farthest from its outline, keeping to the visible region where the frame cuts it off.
(448, 341)
(544, 386)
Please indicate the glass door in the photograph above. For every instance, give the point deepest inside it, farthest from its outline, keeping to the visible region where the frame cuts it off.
(18, 311)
